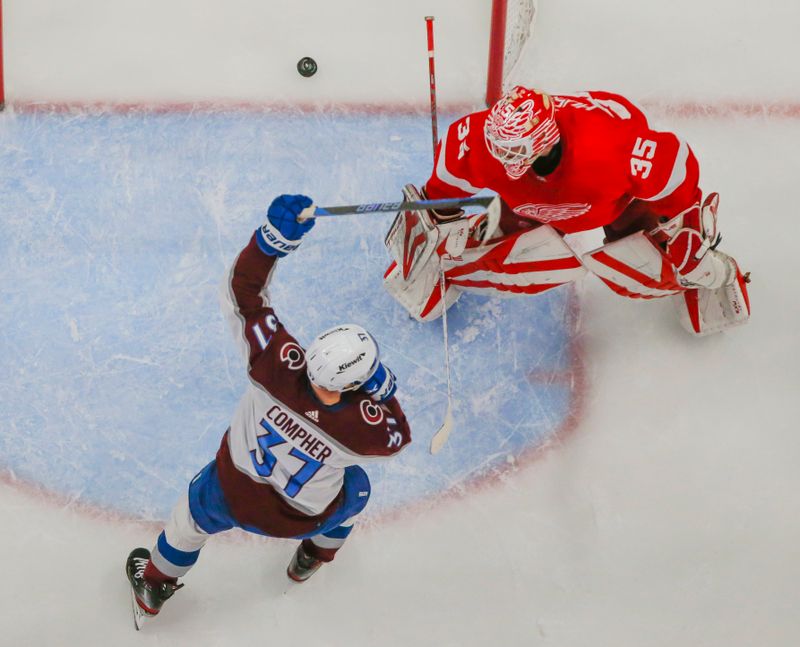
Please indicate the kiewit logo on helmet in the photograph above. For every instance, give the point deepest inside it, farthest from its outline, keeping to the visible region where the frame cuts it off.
(352, 362)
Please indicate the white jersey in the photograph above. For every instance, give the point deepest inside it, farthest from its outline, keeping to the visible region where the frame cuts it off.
(281, 435)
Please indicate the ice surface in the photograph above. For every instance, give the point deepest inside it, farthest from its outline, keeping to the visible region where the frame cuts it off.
(668, 515)
(119, 232)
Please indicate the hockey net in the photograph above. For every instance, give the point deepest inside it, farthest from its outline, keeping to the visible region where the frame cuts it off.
(512, 24)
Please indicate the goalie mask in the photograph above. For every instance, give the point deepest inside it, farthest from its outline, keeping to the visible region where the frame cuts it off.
(519, 128)
(342, 358)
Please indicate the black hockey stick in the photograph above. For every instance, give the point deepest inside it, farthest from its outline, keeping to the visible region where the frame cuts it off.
(403, 205)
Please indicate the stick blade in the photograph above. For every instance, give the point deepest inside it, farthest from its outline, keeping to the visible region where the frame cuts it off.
(441, 436)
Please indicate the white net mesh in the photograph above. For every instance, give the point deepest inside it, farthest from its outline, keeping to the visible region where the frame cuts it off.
(519, 25)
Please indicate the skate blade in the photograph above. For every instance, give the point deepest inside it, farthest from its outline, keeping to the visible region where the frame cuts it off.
(139, 616)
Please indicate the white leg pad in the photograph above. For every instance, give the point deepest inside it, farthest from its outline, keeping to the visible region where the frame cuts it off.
(526, 263)
(702, 311)
(634, 267)
(420, 295)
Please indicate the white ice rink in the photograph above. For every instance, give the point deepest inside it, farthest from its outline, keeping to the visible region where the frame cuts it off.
(663, 512)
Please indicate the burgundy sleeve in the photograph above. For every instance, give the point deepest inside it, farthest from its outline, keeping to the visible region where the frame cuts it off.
(248, 283)
(386, 437)
(400, 425)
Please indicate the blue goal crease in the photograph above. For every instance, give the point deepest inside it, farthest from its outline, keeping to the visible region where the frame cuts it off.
(119, 374)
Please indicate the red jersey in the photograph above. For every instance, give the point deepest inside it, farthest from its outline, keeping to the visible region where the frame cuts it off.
(281, 464)
(610, 159)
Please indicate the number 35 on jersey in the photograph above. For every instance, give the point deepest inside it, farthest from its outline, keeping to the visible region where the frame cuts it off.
(643, 152)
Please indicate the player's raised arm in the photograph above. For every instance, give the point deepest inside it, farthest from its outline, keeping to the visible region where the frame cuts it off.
(245, 298)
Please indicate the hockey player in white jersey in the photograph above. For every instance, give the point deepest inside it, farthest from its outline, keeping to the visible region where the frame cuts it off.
(288, 464)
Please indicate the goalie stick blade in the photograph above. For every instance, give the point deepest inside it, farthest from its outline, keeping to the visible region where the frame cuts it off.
(441, 436)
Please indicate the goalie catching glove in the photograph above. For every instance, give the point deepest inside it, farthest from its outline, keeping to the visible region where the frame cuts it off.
(691, 246)
(708, 289)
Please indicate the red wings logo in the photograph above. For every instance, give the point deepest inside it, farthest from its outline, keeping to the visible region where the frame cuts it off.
(551, 212)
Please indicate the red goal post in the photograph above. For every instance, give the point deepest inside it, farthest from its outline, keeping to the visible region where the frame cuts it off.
(511, 27)
(2, 80)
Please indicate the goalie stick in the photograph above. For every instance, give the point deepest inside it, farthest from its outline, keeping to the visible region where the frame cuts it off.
(432, 82)
(453, 247)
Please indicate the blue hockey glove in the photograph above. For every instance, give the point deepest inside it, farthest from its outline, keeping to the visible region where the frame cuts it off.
(281, 233)
(382, 385)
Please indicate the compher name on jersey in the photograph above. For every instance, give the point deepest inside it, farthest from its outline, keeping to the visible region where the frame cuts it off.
(307, 441)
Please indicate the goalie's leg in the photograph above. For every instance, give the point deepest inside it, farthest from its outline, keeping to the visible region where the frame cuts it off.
(703, 311)
(526, 262)
(637, 268)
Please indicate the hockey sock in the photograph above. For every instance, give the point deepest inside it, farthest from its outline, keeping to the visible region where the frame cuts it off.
(322, 554)
(153, 576)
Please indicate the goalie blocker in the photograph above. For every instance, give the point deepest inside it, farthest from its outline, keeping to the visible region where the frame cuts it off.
(536, 260)
(528, 262)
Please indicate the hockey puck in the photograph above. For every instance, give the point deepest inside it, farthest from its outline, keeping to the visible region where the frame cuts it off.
(307, 66)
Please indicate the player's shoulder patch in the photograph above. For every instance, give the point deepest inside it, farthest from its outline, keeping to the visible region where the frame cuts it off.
(292, 355)
(371, 412)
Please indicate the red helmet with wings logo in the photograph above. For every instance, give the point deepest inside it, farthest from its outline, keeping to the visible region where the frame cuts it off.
(521, 127)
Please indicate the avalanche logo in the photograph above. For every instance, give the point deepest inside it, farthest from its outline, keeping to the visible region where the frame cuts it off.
(371, 412)
(293, 355)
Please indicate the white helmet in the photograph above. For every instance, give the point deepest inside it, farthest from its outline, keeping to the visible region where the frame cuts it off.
(519, 128)
(342, 358)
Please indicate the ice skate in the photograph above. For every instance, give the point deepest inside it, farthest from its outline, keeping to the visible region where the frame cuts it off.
(147, 599)
(302, 565)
